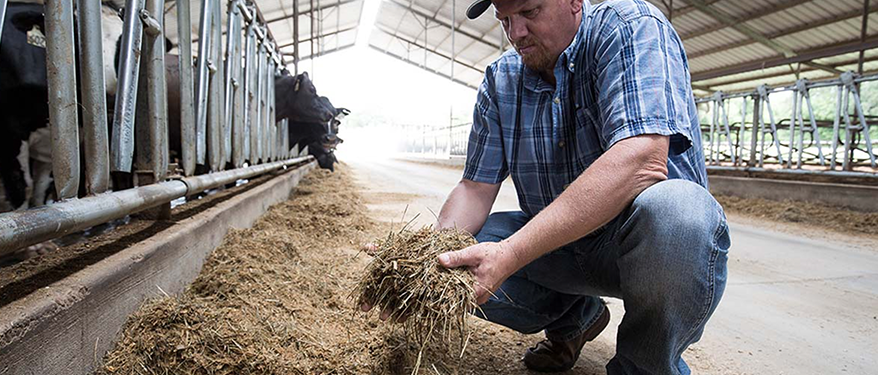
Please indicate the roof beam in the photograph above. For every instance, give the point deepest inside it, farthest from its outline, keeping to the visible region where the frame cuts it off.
(837, 65)
(762, 12)
(785, 32)
(290, 44)
(742, 28)
(400, 58)
(804, 56)
(307, 12)
(689, 8)
(417, 43)
(440, 22)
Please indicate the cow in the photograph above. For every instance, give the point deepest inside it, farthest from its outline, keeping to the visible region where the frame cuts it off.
(25, 148)
(296, 99)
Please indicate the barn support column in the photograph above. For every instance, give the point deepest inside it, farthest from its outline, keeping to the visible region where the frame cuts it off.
(187, 96)
(863, 31)
(61, 73)
(94, 98)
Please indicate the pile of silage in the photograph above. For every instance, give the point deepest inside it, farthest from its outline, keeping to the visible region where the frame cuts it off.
(431, 301)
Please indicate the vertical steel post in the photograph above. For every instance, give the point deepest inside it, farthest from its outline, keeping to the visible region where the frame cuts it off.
(151, 128)
(266, 106)
(3, 4)
(260, 86)
(214, 95)
(122, 141)
(61, 73)
(794, 118)
(201, 80)
(757, 119)
(233, 62)
(187, 94)
(94, 98)
(295, 37)
(250, 100)
(240, 91)
(835, 125)
(223, 135)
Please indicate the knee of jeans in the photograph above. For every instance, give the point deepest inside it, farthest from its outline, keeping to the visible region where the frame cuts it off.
(676, 216)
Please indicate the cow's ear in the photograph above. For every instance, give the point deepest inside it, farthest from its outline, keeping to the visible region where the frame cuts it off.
(26, 21)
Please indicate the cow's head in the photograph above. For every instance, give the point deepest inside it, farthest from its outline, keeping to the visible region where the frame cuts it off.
(296, 99)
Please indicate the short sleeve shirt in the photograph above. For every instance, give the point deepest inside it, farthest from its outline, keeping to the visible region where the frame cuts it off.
(625, 74)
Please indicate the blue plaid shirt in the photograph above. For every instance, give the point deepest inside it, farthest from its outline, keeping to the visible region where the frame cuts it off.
(625, 74)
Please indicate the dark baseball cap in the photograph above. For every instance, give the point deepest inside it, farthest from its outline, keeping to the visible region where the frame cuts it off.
(477, 8)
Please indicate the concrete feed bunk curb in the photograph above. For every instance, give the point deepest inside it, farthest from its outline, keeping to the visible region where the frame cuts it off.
(68, 326)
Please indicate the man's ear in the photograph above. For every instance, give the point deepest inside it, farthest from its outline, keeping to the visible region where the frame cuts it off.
(576, 5)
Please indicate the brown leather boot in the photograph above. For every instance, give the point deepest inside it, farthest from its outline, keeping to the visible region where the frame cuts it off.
(557, 356)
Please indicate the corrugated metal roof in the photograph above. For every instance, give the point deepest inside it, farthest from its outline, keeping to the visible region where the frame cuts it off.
(719, 51)
(722, 56)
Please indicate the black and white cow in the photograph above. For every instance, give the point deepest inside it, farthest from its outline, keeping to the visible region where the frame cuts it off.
(25, 149)
(296, 99)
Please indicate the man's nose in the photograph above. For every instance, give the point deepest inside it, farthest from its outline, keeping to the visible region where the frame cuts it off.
(516, 28)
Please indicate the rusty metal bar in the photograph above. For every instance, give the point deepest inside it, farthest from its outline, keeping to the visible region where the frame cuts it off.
(63, 116)
(94, 98)
(187, 95)
(151, 130)
(231, 78)
(19, 229)
(122, 141)
(201, 83)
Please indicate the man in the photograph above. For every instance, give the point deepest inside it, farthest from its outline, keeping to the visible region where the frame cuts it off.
(593, 117)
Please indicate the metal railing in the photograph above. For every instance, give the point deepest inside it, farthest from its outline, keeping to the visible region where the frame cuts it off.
(224, 122)
(740, 143)
(755, 138)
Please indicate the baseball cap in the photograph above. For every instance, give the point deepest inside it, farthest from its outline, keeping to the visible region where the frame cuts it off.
(477, 8)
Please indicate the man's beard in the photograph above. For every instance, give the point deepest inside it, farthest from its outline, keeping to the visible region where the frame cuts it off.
(538, 59)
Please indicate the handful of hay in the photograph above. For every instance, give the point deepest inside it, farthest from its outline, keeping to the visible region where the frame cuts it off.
(405, 278)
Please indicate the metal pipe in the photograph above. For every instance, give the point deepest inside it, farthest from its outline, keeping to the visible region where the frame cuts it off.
(798, 172)
(61, 73)
(19, 229)
(94, 98)
(233, 31)
(187, 95)
(260, 87)
(239, 93)
(214, 95)
(266, 108)
(3, 4)
(201, 80)
(296, 37)
(122, 141)
(151, 130)
(223, 135)
(248, 92)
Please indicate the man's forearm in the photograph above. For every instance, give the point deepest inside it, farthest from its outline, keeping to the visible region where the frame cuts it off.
(468, 206)
(594, 198)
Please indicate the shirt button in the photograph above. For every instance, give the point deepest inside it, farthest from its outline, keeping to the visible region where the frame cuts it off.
(562, 144)
(571, 66)
(557, 100)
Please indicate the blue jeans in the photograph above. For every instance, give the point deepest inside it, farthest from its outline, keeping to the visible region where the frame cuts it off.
(664, 256)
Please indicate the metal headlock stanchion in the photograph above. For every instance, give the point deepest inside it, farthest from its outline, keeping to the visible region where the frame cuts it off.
(766, 104)
(222, 120)
(63, 116)
(122, 141)
(3, 4)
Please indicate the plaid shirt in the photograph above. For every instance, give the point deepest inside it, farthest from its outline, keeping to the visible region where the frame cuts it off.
(625, 74)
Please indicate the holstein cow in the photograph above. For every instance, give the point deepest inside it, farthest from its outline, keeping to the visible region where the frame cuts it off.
(24, 111)
(296, 99)
(25, 148)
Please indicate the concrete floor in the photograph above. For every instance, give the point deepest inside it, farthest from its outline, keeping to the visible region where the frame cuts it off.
(796, 303)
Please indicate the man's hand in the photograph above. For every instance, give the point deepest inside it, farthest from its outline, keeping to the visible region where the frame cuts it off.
(490, 262)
